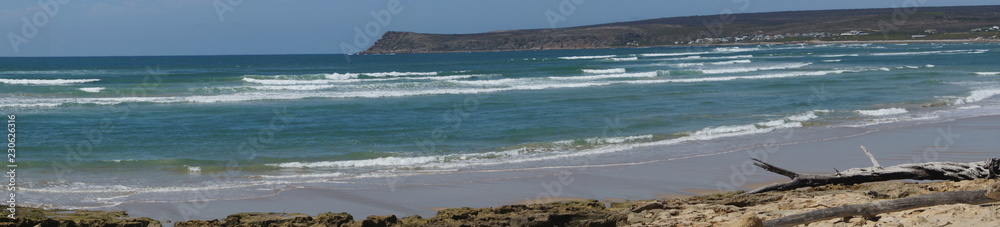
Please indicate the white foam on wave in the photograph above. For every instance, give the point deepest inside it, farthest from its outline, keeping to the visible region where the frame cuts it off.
(281, 91)
(604, 71)
(489, 86)
(729, 57)
(47, 81)
(687, 65)
(29, 105)
(979, 95)
(377, 162)
(987, 73)
(616, 140)
(742, 61)
(194, 170)
(729, 78)
(53, 72)
(586, 57)
(708, 58)
(307, 175)
(345, 78)
(685, 58)
(397, 74)
(301, 79)
(521, 155)
(671, 54)
(977, 51)
(883, 112)
(288, 82)
(837, 55)
(311, 87)
(833, 60)
(694, 64)
(625, 59)
(340, 76)
(754, 69)
(92, 89)
(607, 76)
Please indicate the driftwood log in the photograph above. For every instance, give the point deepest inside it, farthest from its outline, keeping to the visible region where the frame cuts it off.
(991, 194)
(955, 171)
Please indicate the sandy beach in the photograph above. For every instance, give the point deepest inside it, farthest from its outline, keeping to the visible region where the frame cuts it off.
(962, 140)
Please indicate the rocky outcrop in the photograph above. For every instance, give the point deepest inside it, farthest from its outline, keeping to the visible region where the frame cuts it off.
(32, 217)
(588, 213)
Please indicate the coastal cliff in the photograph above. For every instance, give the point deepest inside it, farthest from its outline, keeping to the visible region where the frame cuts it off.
(882, 24)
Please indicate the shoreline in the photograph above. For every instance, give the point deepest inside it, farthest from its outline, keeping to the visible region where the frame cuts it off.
(426, 195)
(810, 42)
(719, 209)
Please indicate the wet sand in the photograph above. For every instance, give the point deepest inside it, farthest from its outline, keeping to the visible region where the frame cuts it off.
(964, 140)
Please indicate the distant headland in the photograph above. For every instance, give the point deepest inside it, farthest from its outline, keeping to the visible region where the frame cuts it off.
(960, 23)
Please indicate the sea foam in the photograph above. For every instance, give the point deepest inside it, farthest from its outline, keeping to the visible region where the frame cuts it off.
(754, 69)
(882, 112)
(92, 89)
(625, 59)
(729, 78)
(47, 82)
(521, 155)
(837, 55)
(979, 95)
(607, 76)
(604, 71)
(586, 57)
(743, 61)
(672, 54)
(396, 74)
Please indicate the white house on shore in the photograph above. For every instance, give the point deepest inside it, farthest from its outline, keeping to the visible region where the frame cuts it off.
(854, 32)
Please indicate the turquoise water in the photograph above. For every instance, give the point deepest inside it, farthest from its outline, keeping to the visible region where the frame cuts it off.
(101, 131)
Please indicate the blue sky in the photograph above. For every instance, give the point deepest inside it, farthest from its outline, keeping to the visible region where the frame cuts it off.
(195, 27)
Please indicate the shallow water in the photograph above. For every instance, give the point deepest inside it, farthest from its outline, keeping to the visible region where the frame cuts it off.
(106, 130)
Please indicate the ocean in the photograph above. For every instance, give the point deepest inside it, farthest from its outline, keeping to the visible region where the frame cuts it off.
(101, 131)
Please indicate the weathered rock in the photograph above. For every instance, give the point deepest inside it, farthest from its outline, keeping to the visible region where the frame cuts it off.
(380, 221)
(748, 220)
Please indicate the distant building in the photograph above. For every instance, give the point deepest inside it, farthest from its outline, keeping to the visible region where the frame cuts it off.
(931, 31)
(854, 32)
(986, 29)
(918, 36)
